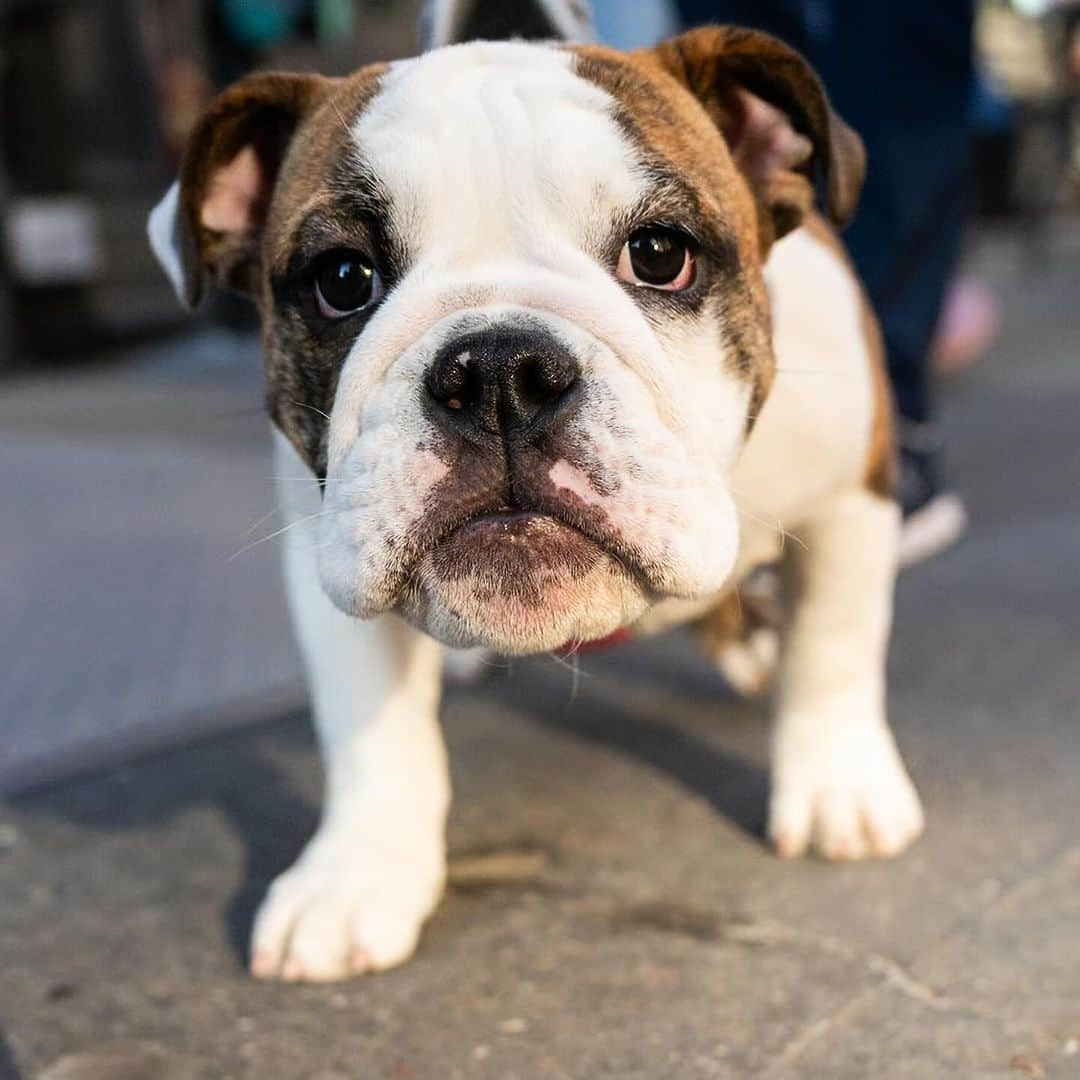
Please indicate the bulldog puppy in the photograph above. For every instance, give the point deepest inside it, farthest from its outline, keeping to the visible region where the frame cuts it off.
(556, 345)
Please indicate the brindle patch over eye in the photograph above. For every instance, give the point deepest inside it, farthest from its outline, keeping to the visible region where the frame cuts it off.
(305, 351)
(357, 213)
(354, 221)
(671, 204)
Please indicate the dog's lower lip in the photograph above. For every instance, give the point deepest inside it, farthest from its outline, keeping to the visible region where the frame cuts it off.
(514, 546)
(507, 524)
(508, 517)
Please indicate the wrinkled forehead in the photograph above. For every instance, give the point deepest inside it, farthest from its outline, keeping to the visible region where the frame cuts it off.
(499, 148)
(500, 139)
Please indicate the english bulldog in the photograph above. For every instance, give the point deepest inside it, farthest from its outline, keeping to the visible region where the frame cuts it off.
(557, 347)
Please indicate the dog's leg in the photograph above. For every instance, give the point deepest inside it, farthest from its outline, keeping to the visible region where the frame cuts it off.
(358, 895)
(741, 635)
(838, 784)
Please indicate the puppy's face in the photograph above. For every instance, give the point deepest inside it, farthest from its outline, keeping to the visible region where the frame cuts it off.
(514, 320)
(557, 337)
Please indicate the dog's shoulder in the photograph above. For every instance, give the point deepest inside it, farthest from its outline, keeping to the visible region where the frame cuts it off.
(828, 422)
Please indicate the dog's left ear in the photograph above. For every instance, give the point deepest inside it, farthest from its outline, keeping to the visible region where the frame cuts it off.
(776, 118)
(210, 221)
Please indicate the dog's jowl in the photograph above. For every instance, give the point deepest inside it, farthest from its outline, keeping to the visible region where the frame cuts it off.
(556, 346)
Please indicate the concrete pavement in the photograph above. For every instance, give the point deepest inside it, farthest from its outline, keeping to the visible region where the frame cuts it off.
(613, 912)
(138, 604)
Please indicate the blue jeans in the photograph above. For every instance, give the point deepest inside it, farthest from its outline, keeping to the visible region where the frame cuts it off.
(634, 25)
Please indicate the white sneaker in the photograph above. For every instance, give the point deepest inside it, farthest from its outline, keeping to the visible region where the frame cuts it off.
(447, 22)
(932, 528)
(934, 517)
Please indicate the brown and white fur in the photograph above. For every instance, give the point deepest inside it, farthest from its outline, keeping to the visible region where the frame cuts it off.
(494, 186)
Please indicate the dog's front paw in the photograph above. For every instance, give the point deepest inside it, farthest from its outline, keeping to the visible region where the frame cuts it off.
(844, 796)
(750, 665)
(337, 912)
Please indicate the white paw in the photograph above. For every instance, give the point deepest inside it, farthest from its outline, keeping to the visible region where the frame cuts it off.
(337, 913)
(749, 665)
(845, 796)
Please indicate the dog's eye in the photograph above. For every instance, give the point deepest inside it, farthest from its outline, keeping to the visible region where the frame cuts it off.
(659, 258)
(345, 283)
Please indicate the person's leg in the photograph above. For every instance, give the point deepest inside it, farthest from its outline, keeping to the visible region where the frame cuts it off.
(633, 26)
(906, 237)
(787, 19)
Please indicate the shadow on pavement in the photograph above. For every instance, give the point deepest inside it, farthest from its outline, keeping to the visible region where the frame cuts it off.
(244, 778)
(233, 775)
(609, 711)
(8, 1069)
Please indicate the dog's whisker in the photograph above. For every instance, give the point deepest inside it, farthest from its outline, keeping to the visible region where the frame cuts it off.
(262, 521)
(279, 532)
(341, 119)
(572, 663)
(305, 405)
(775, 526)
(575, 686)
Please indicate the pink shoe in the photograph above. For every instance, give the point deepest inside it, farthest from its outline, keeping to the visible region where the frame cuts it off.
(969, 323)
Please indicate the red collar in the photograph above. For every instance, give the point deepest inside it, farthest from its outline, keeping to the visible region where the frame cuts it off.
(620, 637)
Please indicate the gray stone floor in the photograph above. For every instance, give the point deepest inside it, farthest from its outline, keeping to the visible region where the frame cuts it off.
(136, 603)
(613, 911)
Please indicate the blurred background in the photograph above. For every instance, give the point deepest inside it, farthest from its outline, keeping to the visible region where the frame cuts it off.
(623, 917)
(139, 596)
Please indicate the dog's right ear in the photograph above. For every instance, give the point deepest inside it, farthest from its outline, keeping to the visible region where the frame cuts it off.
(210, 221)
(776, 117)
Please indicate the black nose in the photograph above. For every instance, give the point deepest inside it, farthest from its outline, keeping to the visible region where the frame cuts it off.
(504, 383)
